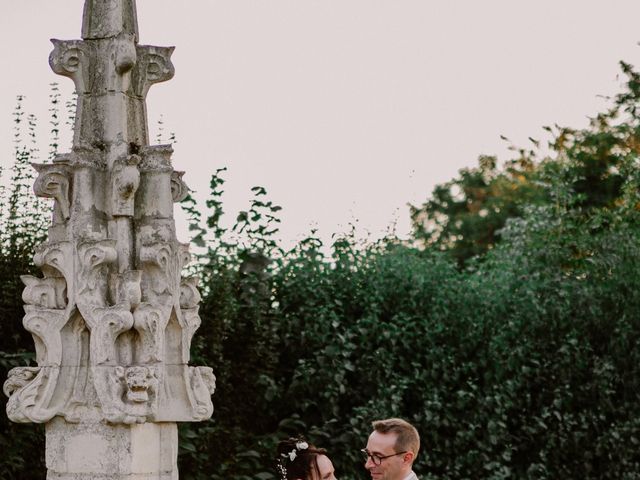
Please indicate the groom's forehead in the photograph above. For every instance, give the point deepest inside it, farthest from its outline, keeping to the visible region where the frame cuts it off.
(381, 442)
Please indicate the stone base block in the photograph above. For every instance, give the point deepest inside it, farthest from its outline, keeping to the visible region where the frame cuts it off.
(100, 451)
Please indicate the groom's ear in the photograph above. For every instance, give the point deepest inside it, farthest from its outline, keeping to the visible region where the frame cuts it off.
(408, 457)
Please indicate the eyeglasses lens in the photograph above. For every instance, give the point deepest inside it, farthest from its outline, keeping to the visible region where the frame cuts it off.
(374, 458)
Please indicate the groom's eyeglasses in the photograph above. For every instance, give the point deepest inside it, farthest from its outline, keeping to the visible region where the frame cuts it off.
(377, 459)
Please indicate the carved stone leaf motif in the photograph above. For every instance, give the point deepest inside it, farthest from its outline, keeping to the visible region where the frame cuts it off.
(150, 321)
(159, 268)
(79, 400)
(154, 66)
(45, 326)
(21, 407)
(202, 383)
(90, 298)
(189, 318)
(179, 189)
(191, 323)
(44, 292)
(106, 324)
(94, 257)
(53, 182)
(55, 260)
(71, 58)
(31, 391)
(18, 378)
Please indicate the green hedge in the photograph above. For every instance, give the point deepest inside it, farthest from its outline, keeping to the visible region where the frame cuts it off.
(523, 365)
(520, 363)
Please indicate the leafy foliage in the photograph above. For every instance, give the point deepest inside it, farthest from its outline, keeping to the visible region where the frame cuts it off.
(512, 341)
(22, 228)
(580, 169)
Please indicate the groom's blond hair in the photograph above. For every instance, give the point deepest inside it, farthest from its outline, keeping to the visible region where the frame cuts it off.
(408, 437)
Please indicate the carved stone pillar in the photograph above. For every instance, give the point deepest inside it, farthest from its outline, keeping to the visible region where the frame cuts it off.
(112, 318)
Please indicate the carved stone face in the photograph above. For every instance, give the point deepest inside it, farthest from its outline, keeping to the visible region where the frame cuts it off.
(138, 381)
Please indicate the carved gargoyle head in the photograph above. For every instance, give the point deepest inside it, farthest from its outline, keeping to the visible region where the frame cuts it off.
(139, 380)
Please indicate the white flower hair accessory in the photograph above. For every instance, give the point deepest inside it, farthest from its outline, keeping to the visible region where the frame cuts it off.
(301, 445)
(294, 453)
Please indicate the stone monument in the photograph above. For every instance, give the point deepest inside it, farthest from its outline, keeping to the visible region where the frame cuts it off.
(112, 318)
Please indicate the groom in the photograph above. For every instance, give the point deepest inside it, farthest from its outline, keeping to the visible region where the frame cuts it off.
(391, 449)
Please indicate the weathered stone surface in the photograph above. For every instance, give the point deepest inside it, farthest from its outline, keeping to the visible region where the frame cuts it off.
(123, 452)
(112, 318)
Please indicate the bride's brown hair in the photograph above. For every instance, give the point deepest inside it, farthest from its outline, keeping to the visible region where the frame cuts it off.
(295, 458)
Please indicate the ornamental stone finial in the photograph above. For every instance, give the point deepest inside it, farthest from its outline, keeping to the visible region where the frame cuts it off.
(112, 317)
(112, 75)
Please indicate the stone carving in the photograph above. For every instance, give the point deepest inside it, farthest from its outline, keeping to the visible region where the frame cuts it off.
(191, 323)
(139, 381)
(189, 294)
(71, 58)
(53, 182)
(106, 324)
(112, 319)
(131, 394)
(122, 59)
(94, 257)
(125, 288)
(45, 325)
(190, 320)
(154, 66)
(203, 385)
(150, 322)
(104, 19)
(18, 378)
(44, 292)
(125, 180)
(22, 405)
(55, 259)
(160, 265)
(179, 189)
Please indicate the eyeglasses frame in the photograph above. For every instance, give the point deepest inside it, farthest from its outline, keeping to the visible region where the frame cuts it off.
(378, 457)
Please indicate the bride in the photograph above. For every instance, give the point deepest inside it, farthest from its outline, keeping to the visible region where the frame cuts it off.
(298, 460)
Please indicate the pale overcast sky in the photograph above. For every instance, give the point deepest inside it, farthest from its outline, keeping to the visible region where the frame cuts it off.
(346, 109)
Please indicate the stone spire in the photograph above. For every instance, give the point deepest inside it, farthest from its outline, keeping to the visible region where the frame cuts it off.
(102, 19)
(112, 318)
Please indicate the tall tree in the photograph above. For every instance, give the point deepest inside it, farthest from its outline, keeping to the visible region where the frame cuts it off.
(579, 169)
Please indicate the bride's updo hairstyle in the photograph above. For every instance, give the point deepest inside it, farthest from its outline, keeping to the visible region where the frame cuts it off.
(295, 458)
